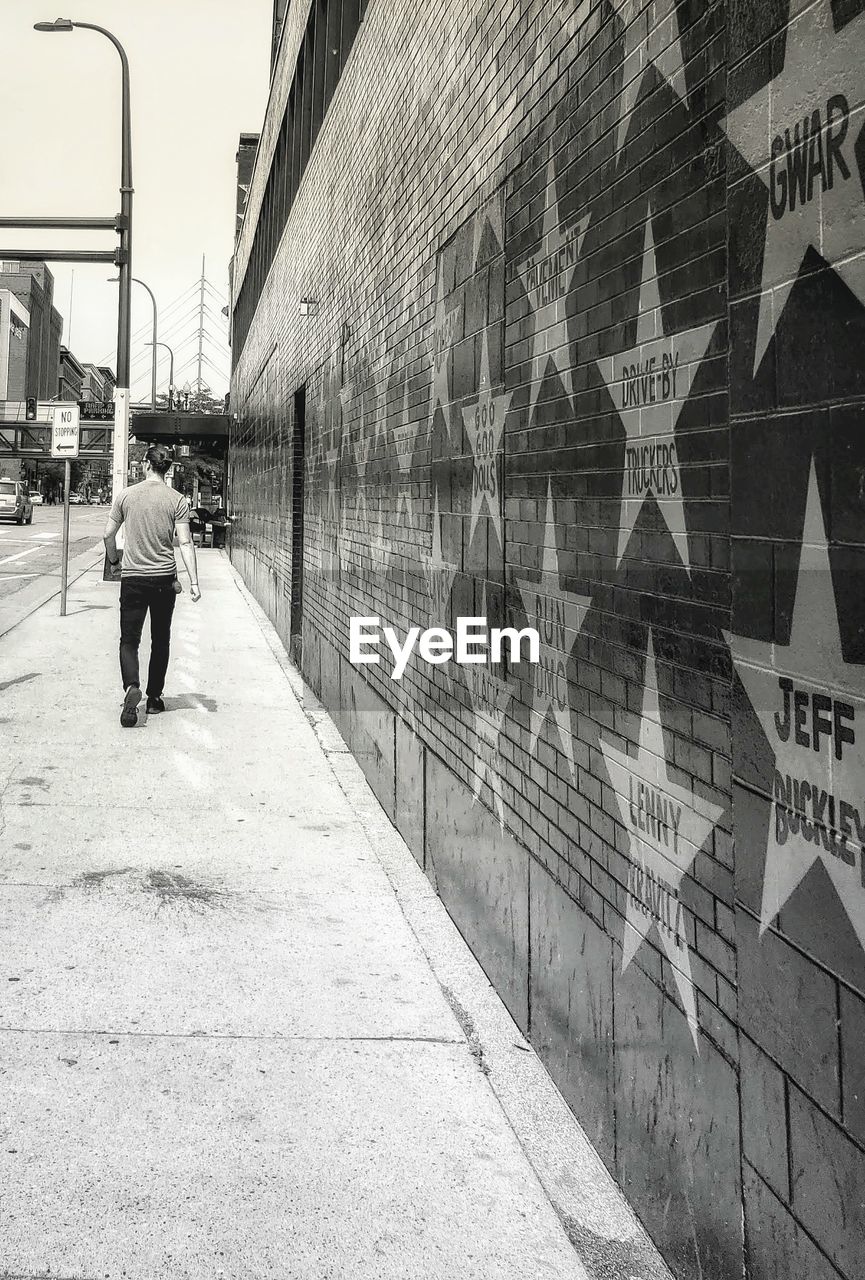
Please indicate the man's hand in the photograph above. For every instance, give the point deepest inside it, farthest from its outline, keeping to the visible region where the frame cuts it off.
(195, 592)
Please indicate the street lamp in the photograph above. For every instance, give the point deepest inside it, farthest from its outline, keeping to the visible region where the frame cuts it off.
(154, 344)
(120, 460)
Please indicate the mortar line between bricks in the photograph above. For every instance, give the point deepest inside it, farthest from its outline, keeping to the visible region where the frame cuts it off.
(799, 1224)
(843, 982)
(222, 1035)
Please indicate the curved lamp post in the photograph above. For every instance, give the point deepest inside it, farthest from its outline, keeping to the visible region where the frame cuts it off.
(153, 343)
(120, 461)
(156, 344)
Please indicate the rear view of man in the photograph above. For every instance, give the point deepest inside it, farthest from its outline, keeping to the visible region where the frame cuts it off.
(150, 512)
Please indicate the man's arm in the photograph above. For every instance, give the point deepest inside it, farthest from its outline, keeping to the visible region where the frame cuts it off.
(187, 550)
(110, 538)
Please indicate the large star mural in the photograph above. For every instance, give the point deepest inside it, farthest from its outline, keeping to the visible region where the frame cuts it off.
(489, 215)
(557, 616)
(446, 326)
(380, 380)
(798, 133)
(379, 548)
(651, 35)
(667, 825)
(439, 574)
(649, 386)
(405, 432)
(361, 449)
(485, 424)
(489, 697)
(547, 275)
(811, 704)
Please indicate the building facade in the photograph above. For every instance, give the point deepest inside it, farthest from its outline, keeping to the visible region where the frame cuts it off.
(71, 376)
(14, 342)
(33, 285)
(553, 315)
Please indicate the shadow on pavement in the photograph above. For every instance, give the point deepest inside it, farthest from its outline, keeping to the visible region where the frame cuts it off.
(7, 684)
(191, 702)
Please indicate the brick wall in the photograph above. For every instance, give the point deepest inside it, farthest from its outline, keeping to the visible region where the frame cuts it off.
(586, 356)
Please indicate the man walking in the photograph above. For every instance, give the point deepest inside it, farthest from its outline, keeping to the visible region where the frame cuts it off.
(151, 512)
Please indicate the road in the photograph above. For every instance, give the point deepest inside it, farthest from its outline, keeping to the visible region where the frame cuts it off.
(31, 552)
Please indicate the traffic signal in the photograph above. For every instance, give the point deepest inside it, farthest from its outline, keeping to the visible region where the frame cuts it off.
(30, 409)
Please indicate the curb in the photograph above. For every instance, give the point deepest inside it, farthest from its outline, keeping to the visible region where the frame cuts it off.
(15, 614)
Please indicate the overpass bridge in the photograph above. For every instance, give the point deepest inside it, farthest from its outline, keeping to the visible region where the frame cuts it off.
(23, 441)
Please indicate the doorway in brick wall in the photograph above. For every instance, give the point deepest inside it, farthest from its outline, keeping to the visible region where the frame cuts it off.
(298, 473)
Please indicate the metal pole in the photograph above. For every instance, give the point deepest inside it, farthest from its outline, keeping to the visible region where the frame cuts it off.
(64, 565)
(62, 224)
(166, 347)
(124, 318)
(120, 460)
(154, 343)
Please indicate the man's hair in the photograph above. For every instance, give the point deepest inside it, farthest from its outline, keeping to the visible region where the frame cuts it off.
(159, 458)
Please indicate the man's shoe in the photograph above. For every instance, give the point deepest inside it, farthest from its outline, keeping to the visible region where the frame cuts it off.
(154, 706)
(129, 714)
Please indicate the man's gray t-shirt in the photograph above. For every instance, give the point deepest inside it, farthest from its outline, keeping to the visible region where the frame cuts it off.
(149, 513)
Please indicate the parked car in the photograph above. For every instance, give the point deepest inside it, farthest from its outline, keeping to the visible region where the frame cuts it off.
(76, 500)
(36, 498)
(15, 502)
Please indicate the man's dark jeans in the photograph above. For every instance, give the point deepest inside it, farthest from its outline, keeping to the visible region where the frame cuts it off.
(137, 595)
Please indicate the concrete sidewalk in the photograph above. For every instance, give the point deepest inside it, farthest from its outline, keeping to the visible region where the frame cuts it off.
(224, 1051)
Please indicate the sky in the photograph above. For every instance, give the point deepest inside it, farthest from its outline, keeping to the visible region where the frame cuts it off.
(199, 72)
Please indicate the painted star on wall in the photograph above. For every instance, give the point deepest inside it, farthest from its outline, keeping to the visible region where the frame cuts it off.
(379, 548)
(330, 437)
(405, 433)
(651, 35)
(331, 463)
(649, 386)
(381, 378)
(667, 826)
(362, 449)
(446, 325)
(547, 275)
(811, 704)
(490, 215)
(557, 615)
(485, 424)
(489, 696)
(798, 133)
(439, 573)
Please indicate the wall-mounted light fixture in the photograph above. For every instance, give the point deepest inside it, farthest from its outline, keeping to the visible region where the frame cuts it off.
(308, 306)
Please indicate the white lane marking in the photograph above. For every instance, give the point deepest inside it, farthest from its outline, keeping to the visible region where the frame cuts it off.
(19, 555)
(13, 577)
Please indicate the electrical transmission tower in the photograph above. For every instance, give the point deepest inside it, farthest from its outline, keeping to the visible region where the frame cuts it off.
(193, 326)
(199, 381)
